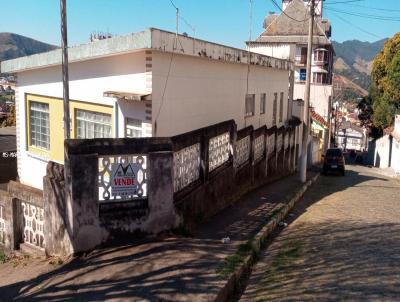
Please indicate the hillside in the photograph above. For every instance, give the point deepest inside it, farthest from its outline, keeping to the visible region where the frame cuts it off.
(353, 63)
(14, 46)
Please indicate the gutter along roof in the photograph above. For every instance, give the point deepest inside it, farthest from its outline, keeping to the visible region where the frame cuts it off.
(149, 39)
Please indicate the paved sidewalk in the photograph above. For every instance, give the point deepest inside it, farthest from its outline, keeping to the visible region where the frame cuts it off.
(169, 269)
(342, 245)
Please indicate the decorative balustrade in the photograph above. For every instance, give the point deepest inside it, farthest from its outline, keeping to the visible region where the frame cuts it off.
(186, 166)
(259, 147)
(292, 139)
(242, 151)
(2, 226)
(124, 166)
(33, 224)
(218, 151)
(279, 142)
(286, 141)
(270, 144)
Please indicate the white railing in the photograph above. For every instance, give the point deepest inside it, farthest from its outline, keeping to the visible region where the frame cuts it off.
(218, 151)
(33, 224)
(270, 144)
(186, 166)
(136, 164)
(242, 151)
(259, 147)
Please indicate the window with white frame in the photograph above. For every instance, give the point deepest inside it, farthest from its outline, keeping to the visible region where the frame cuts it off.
(319, 78)
(133, 128)
(281, 107)
(39, 125)
(90, 124)
(274, 109)
(250, 104)
(263, 100)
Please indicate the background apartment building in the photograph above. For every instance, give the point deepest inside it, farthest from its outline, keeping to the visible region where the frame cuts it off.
(285, 36)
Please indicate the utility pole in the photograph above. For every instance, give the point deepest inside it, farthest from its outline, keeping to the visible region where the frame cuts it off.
(306, 131)
(65, 76)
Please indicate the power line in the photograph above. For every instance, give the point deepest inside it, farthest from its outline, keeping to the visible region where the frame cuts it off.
(344, 2)
(366, 16)
(359, 28)
(173, 4)
(290, 17)
(373, 8)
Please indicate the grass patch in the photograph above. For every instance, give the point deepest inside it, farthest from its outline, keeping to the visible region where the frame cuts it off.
(3, 256)
(285, 260)
(276, 211)
(234, 261)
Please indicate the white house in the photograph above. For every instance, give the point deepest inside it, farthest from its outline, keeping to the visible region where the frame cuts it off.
(395, 162)
(351, 137)
(150, 83)
(285, 36)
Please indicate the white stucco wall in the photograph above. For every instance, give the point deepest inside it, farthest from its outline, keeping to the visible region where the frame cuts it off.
(319, 97)
(382, 152)
(88, 81)
(396, 146)
(281, 51)
(200, 92)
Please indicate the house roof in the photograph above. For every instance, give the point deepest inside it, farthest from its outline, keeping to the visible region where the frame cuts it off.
(291, 26)
(150, 39)
(319, 119)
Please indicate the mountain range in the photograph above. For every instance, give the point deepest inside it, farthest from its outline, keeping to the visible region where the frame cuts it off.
(14, 46)
(353, 65)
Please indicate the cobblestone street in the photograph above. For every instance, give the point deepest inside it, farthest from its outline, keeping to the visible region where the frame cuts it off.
(341, 243)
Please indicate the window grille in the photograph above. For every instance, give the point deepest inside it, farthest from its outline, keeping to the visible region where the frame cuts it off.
(91, 124)
(39, 125)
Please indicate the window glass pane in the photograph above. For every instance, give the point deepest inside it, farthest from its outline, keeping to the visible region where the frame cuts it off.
(133, 127)
(262, 103)
(91, 124)
(250, 104)
(39, 125)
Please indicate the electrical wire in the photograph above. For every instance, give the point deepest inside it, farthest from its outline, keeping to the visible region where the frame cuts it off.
(370, 7)
(359, 28)
(344, 2)
(290, 17)
(366, 16)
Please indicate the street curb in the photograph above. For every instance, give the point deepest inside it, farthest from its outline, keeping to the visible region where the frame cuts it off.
(245, 268)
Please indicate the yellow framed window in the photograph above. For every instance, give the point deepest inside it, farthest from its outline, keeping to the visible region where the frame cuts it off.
(39, 125)
(91, 124)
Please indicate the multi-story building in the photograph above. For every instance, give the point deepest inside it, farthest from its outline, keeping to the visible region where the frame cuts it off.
(151, 83)
(285, 36)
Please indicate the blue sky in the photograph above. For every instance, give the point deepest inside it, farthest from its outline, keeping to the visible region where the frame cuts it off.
(223, 21)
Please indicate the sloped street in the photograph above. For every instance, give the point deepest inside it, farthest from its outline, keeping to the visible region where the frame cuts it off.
(342, 244)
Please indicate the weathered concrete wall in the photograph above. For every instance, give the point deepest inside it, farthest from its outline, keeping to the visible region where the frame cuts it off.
(10, 236)
(56, 232)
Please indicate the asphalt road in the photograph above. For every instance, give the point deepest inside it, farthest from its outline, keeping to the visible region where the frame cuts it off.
(342, 244)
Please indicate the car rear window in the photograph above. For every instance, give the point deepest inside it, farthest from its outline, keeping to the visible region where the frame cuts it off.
(334, 152)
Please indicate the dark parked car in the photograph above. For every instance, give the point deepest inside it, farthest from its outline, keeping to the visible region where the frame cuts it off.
(334, 161)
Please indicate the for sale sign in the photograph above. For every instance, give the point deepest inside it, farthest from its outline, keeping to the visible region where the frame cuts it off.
(124, 179)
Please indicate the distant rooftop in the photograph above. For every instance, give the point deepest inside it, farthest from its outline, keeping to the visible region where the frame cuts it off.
(294, 29)
(149, 39)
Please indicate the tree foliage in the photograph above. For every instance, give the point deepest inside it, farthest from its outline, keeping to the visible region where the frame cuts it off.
(11, 119)
(385, 89)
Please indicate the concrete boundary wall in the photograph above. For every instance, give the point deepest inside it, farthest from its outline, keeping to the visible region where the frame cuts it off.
(76, 219)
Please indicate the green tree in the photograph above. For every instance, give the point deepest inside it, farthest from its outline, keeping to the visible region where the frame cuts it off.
(385, 89)
(11, 119)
